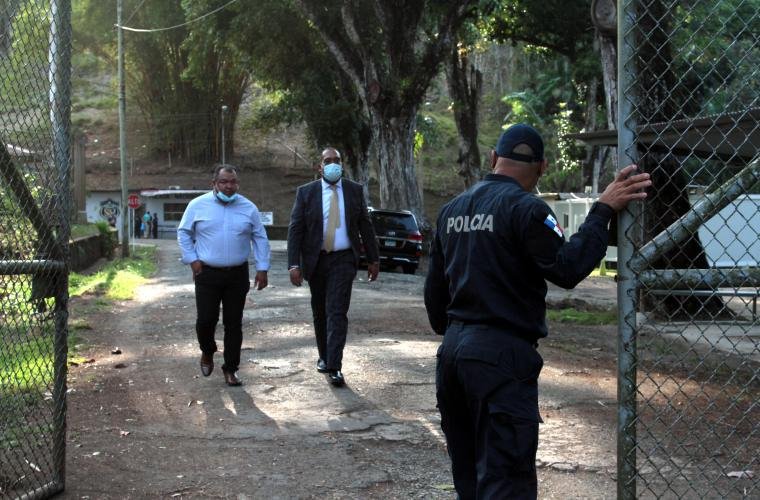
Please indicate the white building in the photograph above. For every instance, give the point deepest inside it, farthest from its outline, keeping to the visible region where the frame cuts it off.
(571, 210)
(167, 204)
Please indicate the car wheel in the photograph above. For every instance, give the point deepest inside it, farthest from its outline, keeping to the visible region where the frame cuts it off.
(409, 269)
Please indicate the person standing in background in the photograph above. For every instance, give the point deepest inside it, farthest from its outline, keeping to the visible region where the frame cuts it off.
(145, 227)
(154, 225)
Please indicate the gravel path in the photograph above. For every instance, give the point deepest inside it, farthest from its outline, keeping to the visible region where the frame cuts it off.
(145, 424)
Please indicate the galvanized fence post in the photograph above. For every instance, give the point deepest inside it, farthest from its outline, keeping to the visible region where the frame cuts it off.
(626, 287)
(60, 115)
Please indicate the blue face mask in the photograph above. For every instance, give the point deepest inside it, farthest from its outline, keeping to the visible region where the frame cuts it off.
(331, 173)
(226, 199)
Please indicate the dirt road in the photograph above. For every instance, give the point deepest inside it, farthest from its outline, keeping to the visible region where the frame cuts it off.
(145, 424)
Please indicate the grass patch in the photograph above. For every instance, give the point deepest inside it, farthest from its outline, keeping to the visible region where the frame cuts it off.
(119, 279)
(582, 317)
(27, 365)
(604, 272)
(82, 230)
(26, 358)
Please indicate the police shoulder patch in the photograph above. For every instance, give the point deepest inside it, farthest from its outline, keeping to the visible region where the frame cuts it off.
(552, 224)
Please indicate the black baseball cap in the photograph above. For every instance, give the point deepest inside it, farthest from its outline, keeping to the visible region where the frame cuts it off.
(517, 134)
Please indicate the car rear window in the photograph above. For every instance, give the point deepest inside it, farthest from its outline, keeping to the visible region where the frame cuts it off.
(396, 222)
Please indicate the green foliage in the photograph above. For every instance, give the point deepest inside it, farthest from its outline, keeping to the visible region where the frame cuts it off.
(24, 68)
(18, 238)
(561, 26)
(103, 227)
(302, 79)
(715, 54)
(82, 230)
(437, 152)
(551, 103)
(179, 78)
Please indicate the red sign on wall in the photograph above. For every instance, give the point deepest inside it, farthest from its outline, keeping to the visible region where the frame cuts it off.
(133, 201)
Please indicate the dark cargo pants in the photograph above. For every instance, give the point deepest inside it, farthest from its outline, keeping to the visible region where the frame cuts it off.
(487, 391)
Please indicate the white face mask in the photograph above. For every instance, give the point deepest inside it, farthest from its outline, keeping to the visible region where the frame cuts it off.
(332, 172)
(226, 199)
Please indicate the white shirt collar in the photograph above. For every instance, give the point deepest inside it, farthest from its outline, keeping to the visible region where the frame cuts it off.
(326, 185)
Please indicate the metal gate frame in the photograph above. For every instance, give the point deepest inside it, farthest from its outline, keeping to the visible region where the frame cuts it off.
(52, 265)
(636, 257)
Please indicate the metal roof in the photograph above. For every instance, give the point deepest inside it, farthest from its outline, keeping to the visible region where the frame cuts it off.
(732, 137)
(163, 193)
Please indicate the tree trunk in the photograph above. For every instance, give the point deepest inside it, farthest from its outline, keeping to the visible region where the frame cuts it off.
(600, 158)
(385, 49)
(394, 139)
(608, 54)
(466, 87)
(357, 162)
(590, 172)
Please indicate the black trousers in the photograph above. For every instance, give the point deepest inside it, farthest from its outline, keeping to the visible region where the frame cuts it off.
(330, 285)
(487, 391)
(229, 288)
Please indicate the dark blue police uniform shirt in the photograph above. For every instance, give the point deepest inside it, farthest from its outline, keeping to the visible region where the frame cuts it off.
(494, 247)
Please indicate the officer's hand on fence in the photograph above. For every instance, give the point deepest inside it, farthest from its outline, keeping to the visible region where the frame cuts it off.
(295, 276)
(197, 267)
(625, 189)
(261, 281)
(373, 270)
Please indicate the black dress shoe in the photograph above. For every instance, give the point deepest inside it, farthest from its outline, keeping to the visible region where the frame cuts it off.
(321, 366)
(207, 363)
(231, 378)
(336, 378)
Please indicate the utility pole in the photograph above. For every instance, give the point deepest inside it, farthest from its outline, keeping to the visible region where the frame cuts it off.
(224, 157)
(122, 136)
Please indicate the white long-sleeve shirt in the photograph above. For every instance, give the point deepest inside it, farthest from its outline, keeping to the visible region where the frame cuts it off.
(220, 234)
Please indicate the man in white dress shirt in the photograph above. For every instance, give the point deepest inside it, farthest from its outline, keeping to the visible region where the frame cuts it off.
(215, 236)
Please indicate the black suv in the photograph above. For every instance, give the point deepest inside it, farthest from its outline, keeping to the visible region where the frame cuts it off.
(398, 238)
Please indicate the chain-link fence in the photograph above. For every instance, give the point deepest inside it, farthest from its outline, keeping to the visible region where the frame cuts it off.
(35, 47)
(689, 421)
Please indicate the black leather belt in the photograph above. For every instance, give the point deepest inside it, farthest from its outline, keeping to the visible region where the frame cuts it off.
(228, 268)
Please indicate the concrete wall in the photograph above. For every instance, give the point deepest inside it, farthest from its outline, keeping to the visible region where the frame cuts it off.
(84, 252)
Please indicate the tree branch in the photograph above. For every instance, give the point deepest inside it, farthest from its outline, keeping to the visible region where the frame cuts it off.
(344, 50)
(436, 49)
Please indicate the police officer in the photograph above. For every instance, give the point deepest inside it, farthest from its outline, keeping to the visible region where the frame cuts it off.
(494, 246)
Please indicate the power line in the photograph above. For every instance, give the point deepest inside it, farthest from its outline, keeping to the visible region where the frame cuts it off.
(153, 30)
